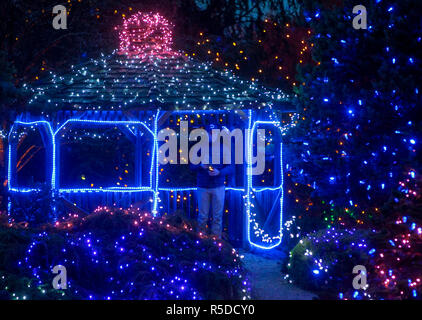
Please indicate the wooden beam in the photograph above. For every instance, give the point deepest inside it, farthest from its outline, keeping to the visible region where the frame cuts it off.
(164, 118)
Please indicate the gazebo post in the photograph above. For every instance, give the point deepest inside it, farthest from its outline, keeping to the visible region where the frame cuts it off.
(138, 159)
(11, 163)
(55, 180)
(48, 145)
(245, 224)
(155, 177)
(245, 219)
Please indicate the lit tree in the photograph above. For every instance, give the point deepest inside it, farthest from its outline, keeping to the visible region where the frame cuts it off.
(359, 101)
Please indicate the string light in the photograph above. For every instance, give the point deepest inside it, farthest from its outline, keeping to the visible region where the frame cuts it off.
(145, 49)
(87, 248)
(266, 241)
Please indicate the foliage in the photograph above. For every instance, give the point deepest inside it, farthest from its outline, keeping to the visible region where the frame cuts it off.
(359, 100)
(9, 94)
(390, 250)
(7, 90)
(399, 260)
(121, 254)
(34, 207)
(13, 287)
(324, 260)
(267, 53)
(357, 140)
(13, 243)
(29, 25)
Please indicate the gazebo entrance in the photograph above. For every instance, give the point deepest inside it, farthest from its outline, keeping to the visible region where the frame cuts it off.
(251, 216)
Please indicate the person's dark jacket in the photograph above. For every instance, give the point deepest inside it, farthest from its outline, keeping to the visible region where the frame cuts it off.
(204, 180)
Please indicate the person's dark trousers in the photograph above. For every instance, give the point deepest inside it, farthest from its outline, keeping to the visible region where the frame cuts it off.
(206, 197)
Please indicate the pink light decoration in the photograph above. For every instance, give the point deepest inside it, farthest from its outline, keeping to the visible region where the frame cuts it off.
(146, 34)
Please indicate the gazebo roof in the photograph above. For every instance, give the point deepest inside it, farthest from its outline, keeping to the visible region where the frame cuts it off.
(150, 77)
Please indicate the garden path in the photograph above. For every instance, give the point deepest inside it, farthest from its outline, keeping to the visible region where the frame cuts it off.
(267, 279)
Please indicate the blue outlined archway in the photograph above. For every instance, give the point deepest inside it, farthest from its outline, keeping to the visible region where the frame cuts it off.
(255, 232)
(46, 131)
(258, 235)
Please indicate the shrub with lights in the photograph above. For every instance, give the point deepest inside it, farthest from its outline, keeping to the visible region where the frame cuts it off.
(119, 254)
(358, 124)
(323, 261)
(390, 250)
(359, 151)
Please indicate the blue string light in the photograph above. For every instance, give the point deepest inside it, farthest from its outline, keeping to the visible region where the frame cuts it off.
(154, 185)
(269, 244)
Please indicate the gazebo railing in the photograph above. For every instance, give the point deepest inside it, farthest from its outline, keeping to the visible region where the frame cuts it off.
(242, 222)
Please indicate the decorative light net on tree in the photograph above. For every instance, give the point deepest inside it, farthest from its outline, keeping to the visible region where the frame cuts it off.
(145, 34)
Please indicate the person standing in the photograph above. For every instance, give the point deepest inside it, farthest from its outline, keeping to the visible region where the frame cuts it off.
(211, 191)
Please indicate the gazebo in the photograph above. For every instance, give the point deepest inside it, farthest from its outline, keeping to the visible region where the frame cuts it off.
(126, 98)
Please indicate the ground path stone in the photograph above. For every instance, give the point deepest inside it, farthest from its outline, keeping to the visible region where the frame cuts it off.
(267, 280)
